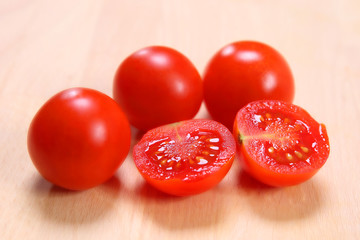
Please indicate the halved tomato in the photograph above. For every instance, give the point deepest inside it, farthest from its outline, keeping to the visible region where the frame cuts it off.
(279, 143)
(185, 158)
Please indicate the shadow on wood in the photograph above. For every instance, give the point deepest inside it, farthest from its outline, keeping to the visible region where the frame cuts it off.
(179, 213)
(281, 204)
(75, 207)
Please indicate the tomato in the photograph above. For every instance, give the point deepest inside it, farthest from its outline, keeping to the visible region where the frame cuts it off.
(185, 158)
(156, 86)
(78, 138)
(279, 143)
(243, 72)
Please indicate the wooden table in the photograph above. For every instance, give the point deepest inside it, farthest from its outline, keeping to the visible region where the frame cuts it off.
(48, 46)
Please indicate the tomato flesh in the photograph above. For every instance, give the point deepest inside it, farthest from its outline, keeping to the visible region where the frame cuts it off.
(280, 144)
(178, 156)
(185, 158)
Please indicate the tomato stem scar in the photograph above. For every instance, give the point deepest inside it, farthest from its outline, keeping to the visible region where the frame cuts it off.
(240, 137)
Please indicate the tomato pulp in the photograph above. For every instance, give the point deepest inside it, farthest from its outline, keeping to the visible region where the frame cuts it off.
(78, 138)
(157, 85)
(185, 158)
(279, 143)
(242, 72)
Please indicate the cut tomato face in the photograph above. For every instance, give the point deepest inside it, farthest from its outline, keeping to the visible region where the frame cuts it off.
(279, 143)
(185, 158)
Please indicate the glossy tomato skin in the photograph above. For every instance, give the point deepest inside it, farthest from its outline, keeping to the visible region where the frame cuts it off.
(157, 85)
(181, 150)
(78, 138)
(242, 72)
(279, 143)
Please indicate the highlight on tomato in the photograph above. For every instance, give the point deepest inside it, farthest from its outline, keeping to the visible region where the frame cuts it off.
(157, 85)
(78, 138)
(279, 143)
(242, 72)
(185, 158)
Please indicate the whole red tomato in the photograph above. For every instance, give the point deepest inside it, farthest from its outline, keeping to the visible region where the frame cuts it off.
(243, 72)
(78, 138)
(156, 86)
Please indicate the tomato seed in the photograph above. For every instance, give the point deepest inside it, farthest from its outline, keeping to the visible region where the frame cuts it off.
(202, 161)
(289, 156)
(304, 149)
(213, 147)
(271, 149)
(213, 140)
(298, 154)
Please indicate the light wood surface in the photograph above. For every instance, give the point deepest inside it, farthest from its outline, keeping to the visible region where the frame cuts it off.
(48, 46)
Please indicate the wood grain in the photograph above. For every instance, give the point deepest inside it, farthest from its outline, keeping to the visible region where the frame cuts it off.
(48, 46)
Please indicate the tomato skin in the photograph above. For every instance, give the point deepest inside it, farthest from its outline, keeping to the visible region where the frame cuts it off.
(178, 187)
(191, 180)
(242, 72)
(157, 85)
(259, 163)
(78, 138)
(268, 177)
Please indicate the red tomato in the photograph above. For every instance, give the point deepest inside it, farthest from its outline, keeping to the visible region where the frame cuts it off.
(187, 157)
(156, 86)
(78, 138)
(280, 143)
(243, 72)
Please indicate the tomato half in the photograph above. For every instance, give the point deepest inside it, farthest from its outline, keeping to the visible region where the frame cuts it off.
(279, 143)
(156, 86)
(78, 138)
(187, 157)
(242, 72)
